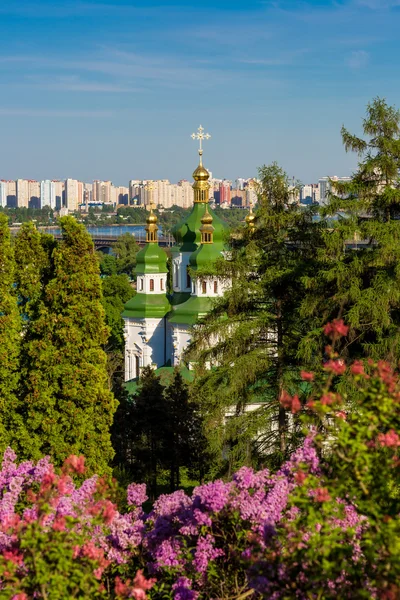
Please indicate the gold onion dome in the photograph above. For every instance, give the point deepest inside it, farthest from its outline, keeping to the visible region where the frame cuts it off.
(201, 173)
(206, 229)
(151, 227)
(251, 218)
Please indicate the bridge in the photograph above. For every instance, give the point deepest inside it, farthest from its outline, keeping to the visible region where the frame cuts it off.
(108, 241)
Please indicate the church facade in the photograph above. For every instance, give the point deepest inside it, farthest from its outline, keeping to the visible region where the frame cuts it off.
(157, 324)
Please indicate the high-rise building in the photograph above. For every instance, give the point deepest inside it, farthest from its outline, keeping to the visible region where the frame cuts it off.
(47, 194)
(225, 192)
(3, 193)
(102, 192)
(22, 192)
(59, 194)
(72, 198)
(12, 194)
(325, 187)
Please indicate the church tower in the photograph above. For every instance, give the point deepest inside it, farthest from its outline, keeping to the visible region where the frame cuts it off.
(199, 244)
(145, 313)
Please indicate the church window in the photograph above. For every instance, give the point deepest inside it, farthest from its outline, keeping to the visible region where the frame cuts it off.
(141, 285)
(161, 285)
(204, 287)
(176, 275)
(137, 368)
(188, 278)
(215, 287)
(152, 285)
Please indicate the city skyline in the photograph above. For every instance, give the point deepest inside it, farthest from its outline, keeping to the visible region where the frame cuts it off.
(114, 90)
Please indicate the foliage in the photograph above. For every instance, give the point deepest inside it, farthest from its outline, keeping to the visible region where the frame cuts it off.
(324, 526)
(32, 261)
(67, 404)
(116, 292)
(359, 278)
(252, 337)
(10, 335)
(125, 250)
(55, 535)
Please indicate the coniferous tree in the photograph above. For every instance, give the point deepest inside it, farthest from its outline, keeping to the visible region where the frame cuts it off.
(251, 339)
(68, 406)
(183, 433)
(149, 416)
(32, 258)
(10, 335)
(359, 278)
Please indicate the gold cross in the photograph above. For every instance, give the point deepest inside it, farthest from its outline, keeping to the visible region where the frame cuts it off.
(200, 135)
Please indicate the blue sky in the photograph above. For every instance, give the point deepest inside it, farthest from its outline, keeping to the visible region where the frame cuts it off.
(113, 89)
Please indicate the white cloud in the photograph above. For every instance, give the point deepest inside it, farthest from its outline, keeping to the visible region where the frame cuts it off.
(358, 59)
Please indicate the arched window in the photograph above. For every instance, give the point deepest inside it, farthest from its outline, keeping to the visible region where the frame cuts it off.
(204, 287)
(152, 285)
(141, 284)
(176, 275)
(188, 279)
(137, 367)
(215, 287)
(161, 284)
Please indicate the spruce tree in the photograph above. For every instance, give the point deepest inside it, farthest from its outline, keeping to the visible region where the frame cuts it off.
(149, 417)
(10, 336)
(359, 278)
(68, 406)
(183, 434)
(251, 339)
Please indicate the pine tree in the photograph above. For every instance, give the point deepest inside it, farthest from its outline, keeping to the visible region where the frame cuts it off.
(359, 279)
(251, 338)
(69, 408)
(149, 416)
(183, 434)
(10, 335)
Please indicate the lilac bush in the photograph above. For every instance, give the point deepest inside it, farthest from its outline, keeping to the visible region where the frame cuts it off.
(326, 525)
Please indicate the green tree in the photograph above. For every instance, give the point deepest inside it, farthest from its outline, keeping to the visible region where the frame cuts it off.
(251, 339)
(149, 416)
(108, 264)
(183, 433)
(10, 336)
(33, 259)
(68, 406)
(359, 278)
(125, 250)
(116, 292)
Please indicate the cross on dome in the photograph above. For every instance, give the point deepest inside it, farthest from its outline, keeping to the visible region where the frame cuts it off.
(200, 135)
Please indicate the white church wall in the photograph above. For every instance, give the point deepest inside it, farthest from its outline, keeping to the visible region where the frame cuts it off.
(179, 340)
(144, 345)
(180, 263)
(144, 283)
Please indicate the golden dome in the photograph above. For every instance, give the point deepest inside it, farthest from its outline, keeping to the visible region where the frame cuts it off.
(201, 174)
(207, 218)
(152, 218)
(251, 218)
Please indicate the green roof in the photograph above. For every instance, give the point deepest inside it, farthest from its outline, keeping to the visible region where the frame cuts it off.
(187, 233)
(147, 305)
(204, 256)
(151, 259)
(165, 374)
(191, 310)
(178, 298)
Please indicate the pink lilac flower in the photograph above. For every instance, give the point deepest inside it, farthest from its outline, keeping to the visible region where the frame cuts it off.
(205, 551)
(136, 494)
(182, 589)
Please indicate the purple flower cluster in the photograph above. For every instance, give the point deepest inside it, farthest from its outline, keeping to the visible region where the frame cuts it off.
(184, 537)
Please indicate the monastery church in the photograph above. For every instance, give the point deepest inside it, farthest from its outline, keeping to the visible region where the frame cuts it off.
(157, 324)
